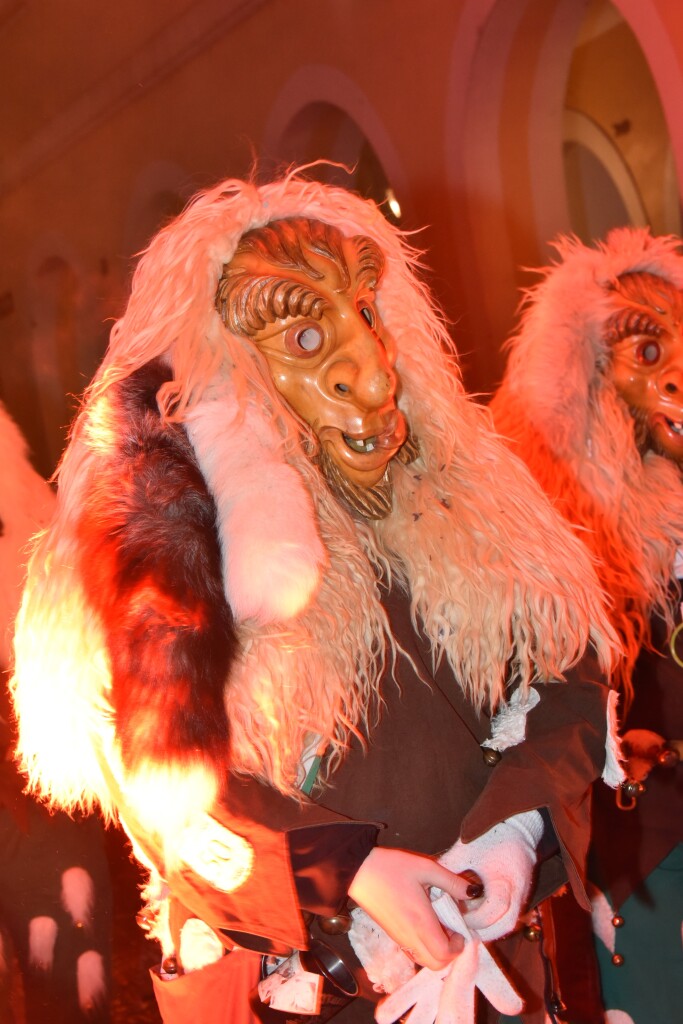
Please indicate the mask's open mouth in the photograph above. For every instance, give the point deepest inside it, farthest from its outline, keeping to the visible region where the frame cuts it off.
(675, 425)
(362, 445)
(390, 438)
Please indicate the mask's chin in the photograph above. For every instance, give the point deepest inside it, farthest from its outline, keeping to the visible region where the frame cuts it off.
(368, 502)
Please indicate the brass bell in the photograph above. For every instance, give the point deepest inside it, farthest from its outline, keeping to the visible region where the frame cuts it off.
(169, 965)
(633, 789)
(491, 756)
(337, 925)
(618, 921)
(532, 932)
(617, 960)
(668, 758)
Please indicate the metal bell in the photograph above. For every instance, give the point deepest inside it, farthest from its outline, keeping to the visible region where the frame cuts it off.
(668, 758)
(337, 925)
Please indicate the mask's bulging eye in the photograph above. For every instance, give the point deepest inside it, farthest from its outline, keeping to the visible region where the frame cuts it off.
(649, 352)
(368, 314)
(304, 339)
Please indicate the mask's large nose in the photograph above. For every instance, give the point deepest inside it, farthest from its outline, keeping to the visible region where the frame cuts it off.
(363, 373)
(670, 382)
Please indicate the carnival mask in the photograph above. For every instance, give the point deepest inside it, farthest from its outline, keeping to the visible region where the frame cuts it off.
(305, 295)
(646, 338)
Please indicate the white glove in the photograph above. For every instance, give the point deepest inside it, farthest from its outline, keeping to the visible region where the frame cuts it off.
(447, 996)
(504, 858)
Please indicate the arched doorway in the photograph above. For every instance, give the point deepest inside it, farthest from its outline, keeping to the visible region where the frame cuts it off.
(617, 150)
(321, 114)
(516, 177)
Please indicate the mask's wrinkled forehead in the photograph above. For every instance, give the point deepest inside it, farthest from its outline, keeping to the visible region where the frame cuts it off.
(248, 300)
(644, 304)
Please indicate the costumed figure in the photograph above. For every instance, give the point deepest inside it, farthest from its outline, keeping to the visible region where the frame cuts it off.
(296, 590)
(54, 879)
(592, 400)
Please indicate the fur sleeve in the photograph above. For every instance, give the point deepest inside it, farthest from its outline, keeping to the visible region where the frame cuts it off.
(152, 571)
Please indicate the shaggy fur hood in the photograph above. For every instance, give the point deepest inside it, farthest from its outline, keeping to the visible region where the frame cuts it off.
(563, 416)
(470, 538)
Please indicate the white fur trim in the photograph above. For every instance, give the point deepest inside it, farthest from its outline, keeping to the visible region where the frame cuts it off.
(602, 914)
(613, 773)
(618, 1017)
(215, 853)
(42, 935)
(508, 726)
(90, 979)
(78, 896)
(272, 551)
(199, 945)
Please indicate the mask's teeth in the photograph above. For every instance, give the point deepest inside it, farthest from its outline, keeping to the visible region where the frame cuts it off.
(362, 445)
(676, 425)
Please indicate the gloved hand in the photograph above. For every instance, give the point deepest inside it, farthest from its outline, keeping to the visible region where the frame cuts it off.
(447, 996)
(393, 887)
(504, 859)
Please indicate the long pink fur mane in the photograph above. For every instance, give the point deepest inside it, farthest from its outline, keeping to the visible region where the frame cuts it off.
(562, 415)
(471, 535)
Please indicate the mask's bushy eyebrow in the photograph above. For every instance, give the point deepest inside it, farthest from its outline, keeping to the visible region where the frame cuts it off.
(370, 261)
(247, 302)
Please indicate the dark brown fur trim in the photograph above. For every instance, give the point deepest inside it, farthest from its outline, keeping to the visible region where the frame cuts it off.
(153, 573)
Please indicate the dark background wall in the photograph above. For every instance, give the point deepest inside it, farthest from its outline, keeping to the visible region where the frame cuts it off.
(495, 124)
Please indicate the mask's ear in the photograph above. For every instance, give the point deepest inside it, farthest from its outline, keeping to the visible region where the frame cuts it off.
(272, 552)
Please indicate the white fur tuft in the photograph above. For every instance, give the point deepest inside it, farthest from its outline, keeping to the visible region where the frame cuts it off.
(168, 797)
(602, 914)
(199, 945)
(90, 979)
(613, 773)
(272, 552)
(78, 896)
(42, 935)
(508, 726)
